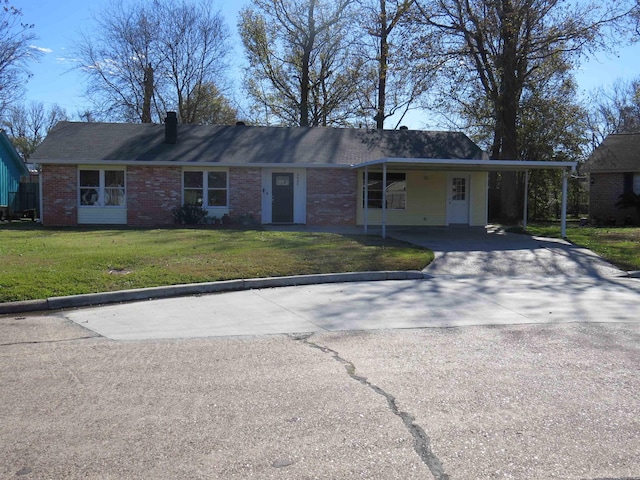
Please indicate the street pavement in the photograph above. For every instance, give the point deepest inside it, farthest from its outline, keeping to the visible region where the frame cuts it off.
(522, 367)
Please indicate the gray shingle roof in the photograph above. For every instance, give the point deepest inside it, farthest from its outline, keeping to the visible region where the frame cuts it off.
(79, 142)
(618, 153)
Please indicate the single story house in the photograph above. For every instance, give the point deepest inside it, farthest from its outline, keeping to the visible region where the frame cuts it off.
(614, 169)
(136, 174)
(12, 169)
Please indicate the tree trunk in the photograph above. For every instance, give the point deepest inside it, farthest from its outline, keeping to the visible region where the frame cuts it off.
(507, 109)
(148, 94)
(382, 66)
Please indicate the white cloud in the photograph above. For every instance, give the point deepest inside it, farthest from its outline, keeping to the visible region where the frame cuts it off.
(40, 49)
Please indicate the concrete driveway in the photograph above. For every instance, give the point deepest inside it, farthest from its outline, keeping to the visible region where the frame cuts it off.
(519, 371)
(479, 277)
(490, 251)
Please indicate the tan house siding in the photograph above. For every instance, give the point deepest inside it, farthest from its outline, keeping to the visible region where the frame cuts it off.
(478, 201)
(331, 196)
(60, 190)
(426, 200)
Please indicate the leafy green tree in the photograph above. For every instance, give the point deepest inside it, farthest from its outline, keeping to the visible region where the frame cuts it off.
(393, 81)
(300, 69)
(206, 106)
(498, 48)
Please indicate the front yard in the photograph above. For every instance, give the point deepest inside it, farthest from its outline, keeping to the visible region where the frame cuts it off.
(37, 262)
(620, 246)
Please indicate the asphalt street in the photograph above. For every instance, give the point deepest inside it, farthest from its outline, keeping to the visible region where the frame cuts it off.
(522, 367)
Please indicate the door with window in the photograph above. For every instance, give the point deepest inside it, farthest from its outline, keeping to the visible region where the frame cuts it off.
(458, 199)
(282, 198)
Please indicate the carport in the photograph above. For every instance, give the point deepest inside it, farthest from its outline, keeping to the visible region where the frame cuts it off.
(463, 165)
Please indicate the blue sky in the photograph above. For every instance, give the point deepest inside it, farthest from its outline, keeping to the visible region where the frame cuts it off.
(58, 24)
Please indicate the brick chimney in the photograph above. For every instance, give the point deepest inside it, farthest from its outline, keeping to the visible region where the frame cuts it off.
(171, 128)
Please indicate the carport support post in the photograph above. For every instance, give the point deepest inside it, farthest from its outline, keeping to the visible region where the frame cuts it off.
(384, 200)
(563, 218)
(366, 199)
(525, 213)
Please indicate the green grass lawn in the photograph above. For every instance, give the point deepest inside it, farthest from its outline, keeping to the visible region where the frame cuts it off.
(618, 245)
(37, 262)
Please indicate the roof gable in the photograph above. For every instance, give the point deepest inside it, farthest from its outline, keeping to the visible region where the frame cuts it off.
(77, 142)
(10, 156)
(617, 153)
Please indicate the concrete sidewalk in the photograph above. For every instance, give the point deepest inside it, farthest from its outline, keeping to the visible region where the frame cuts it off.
(401, 304)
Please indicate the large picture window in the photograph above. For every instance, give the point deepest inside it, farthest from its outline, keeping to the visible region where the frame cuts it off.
(102, 188)
(207, 189)
(395, 192)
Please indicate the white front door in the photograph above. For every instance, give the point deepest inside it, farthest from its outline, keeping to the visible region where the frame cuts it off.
(458, 198)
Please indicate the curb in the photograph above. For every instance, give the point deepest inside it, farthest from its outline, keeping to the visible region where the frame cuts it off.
(121, 296)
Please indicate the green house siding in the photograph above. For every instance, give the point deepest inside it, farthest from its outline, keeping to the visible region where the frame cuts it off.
(11, 169)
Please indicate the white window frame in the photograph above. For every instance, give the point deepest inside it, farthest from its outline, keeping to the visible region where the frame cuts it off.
(101, 189)
(386, 193)
(205, 186)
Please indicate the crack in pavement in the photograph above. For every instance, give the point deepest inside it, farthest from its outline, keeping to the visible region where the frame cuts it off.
(421, 441)
(37, 342)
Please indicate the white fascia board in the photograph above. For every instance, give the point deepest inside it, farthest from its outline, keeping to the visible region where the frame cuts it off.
(484, 165)
(142, 163)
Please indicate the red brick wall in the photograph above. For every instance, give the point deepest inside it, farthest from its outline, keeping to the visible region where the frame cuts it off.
(331, 196)
(152, 193)
(60, 195)
(604, 191)
(245, 192)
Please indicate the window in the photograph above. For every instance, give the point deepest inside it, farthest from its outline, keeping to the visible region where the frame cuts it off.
(395, 191)
(102, 188)
(207, 189)
(636, 183)
(459, 189)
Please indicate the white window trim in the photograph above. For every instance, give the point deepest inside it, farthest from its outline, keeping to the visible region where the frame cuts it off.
(101, 187)
(205, 186)
(384, 192)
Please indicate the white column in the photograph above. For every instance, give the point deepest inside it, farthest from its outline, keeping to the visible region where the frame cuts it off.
(563, 219)
(526, 199)
(384, 200)
(366, 199)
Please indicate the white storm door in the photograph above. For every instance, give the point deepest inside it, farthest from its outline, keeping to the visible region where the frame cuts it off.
(458, 198)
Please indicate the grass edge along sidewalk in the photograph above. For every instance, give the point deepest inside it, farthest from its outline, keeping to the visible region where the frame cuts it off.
(41, 263)
(121, 296)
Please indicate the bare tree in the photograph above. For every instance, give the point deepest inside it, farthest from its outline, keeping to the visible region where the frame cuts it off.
(27, 125)
(299, 70)
(615, 109)
(146, 57)
(500, 45)
(15, 52)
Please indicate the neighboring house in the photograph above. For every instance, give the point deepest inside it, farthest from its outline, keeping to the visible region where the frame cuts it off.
(136, 174)
(12, 169)
(614, 169)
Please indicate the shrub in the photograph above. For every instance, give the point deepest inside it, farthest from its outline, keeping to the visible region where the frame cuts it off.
(189, 214)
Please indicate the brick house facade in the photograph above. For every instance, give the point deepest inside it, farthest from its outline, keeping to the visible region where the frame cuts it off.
(614, 169)
(137, 174)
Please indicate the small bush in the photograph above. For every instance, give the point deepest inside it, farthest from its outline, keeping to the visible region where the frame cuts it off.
(189, 214)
